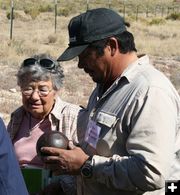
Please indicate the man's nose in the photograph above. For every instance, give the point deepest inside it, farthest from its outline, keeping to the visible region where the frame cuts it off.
(81, 63)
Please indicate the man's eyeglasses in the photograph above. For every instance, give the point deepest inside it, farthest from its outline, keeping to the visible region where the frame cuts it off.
(44, 62)
(41, 92)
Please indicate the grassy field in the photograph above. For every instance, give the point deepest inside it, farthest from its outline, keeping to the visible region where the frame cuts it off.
(157, 36)
(80, 5)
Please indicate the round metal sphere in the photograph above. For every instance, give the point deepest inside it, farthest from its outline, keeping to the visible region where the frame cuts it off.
(51, 139)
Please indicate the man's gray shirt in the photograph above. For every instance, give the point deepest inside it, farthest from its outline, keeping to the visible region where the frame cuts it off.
(139, 143)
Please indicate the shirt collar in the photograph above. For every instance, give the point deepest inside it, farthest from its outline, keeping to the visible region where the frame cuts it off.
(58, 108)
(134, 67)
(129, 73)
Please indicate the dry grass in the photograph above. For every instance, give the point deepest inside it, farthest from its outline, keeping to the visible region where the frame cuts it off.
(158, 40)
(37, 36)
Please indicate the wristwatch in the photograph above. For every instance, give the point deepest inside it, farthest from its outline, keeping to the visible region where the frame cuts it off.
(87, 169)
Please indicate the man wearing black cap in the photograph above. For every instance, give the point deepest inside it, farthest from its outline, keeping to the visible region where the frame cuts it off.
(131, 125)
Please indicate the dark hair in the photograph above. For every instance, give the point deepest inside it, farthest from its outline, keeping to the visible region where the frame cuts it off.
(99, 46)
(125, 42)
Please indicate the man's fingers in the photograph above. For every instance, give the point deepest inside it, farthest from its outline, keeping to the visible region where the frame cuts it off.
(51, 159)
(51, 151)
(71, 145)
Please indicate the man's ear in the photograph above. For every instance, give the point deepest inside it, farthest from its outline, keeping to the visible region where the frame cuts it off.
(113, 45)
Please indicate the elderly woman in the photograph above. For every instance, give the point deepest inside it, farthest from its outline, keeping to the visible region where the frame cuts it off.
(40, 79)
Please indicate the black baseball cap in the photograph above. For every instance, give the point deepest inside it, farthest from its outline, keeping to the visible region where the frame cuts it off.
(93, 25)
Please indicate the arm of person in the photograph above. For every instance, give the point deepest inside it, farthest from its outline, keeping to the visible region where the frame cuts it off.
(10, 173)
(150, 148)
(61, 161)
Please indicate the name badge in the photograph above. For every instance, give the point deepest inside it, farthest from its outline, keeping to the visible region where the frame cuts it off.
(92, 133)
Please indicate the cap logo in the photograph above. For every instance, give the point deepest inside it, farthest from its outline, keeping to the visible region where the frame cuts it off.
(72, 39)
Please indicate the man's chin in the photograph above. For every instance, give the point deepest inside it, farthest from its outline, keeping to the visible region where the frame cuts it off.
(97, 80)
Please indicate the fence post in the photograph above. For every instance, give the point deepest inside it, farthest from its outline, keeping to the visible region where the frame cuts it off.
(124, 10)
(168, 8)
(147, 10)
(55, 15)
(11, 16)
(137, 12)
(162, 11)
(155, 10)
(87, 4)
(109, 3)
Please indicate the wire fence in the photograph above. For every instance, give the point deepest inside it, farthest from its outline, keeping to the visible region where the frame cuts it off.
(68, 7)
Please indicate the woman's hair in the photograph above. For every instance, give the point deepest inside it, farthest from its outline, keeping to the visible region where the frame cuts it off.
(37, 72)
(125, 42)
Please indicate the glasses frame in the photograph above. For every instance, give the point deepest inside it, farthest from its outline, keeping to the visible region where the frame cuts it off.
(35, 90)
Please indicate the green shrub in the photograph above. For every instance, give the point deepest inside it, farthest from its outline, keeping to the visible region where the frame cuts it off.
(46, 8)
(173, 16)
(16, 15)
(32, 11)
(63, 12)
(4, 4)
(8, 15)
(157, 21)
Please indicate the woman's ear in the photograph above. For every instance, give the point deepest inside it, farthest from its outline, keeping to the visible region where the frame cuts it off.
(56, 94)
(113, 45)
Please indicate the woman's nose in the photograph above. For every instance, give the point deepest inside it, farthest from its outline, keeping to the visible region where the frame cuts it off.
(35, 94)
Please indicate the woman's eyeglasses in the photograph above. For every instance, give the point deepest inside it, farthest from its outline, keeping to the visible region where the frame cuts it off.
(41, 92)
(44, 62)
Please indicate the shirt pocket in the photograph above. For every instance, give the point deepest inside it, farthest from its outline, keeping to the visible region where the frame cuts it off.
(106, 119)
(107, 136)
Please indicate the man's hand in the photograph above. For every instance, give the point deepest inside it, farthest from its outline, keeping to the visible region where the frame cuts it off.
(61, 161)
